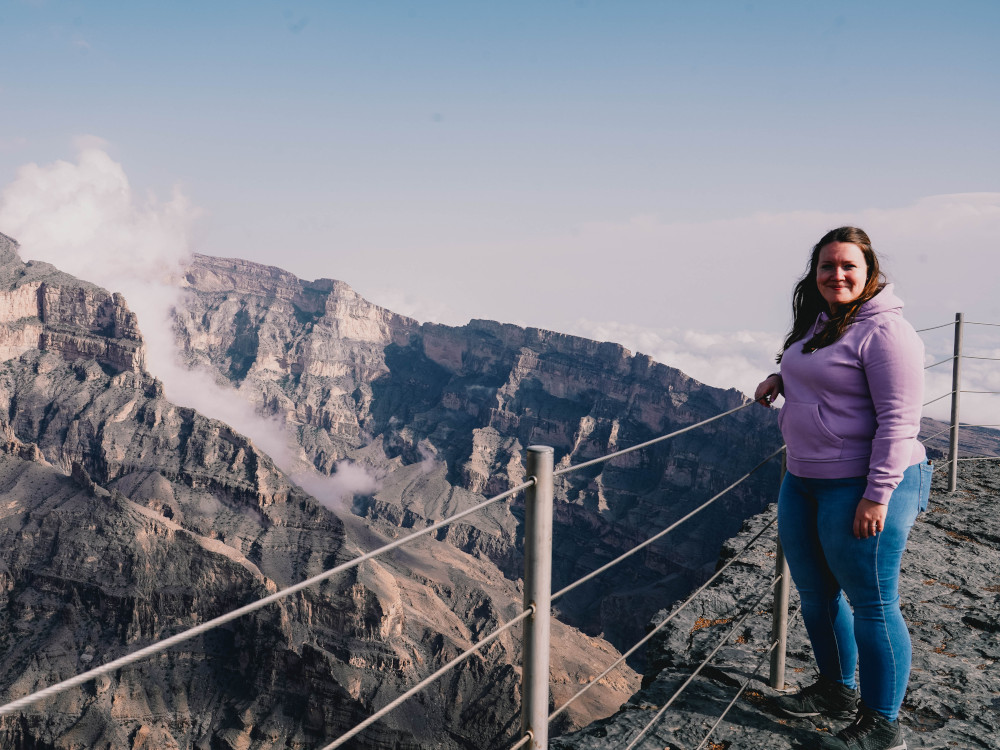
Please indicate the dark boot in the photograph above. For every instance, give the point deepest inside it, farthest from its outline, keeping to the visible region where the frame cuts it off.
(870, 731)
(823, 698)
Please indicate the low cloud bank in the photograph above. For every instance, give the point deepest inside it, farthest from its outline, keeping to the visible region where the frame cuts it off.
(743, 358)
(725, 360)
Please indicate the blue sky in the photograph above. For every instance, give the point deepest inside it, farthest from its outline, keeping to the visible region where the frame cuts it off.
(644, 171)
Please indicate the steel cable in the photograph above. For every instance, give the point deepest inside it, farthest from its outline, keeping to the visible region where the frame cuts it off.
(236, 613)
(939, 432)
(990, 359)
(522, 742)
(934, 328)
(701, 666)
(602, 459)
(940, 363)
(743, 686)
(949, 393)
(662, 624)
(979, 458)
(992, 392)
(427, 681)
(973, 323)
(663, 533)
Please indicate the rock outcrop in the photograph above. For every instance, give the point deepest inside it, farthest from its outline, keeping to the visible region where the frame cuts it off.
(44, 308)
(950, 592)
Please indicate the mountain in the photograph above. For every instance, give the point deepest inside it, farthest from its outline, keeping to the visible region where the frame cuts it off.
(442, 414)
(126, 518)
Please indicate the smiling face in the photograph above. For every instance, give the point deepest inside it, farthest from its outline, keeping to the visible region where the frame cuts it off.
(841, 273)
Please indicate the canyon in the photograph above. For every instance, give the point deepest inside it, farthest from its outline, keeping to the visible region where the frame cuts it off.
(126, 517)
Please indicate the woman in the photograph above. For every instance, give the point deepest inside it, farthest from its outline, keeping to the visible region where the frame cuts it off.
(852, 378)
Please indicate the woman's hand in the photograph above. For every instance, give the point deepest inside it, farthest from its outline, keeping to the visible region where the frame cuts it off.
(768, 390)
(869, 518)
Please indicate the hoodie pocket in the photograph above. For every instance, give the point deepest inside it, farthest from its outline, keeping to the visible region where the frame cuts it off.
(807, 438)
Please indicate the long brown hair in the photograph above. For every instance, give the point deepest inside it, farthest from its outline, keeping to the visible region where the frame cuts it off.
(808, 303)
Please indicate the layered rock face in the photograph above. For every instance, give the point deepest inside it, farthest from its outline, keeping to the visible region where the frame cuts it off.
(360, 383)
(126, 518)
(950, 595)
(43, 308)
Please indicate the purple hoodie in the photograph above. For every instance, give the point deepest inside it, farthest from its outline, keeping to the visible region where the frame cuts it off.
(853, 408)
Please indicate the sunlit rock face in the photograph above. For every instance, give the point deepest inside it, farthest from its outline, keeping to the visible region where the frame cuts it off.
(443, 415)
(43, 308)
(125, 518)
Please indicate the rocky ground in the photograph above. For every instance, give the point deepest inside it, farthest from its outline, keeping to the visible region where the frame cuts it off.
(950, 591)
(972, 441)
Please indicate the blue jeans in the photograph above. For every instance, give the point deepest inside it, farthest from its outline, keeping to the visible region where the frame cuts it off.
(815, 523)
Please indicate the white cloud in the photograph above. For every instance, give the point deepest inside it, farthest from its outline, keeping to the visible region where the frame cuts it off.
(726, 360)
(349, 479)
(743, 358)
(410, 304)
(721, 275)
(84, 219)
(678, 290)
(710, 298)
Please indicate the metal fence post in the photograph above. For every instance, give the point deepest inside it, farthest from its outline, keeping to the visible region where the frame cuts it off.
(779, 612)
(537, 594)
(956, 387)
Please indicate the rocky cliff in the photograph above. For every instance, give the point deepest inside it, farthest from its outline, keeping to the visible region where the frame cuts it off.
(950, 592)
(43, 308)
(126, 518)
(362, 384)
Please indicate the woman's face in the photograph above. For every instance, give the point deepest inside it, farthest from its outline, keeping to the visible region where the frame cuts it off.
(841, 273)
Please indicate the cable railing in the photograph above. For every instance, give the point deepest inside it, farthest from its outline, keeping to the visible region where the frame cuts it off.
(535, 616)
(204, 627)
(660, 535)
(732, 631)
(954, 423)
(666, 621)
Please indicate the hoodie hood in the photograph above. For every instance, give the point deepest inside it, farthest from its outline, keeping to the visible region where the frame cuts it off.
(884, 301)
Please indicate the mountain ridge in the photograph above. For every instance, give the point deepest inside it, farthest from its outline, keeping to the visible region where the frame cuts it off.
(181, 495)
(359, 384)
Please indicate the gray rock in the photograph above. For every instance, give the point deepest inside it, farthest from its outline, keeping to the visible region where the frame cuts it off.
(950, 591)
